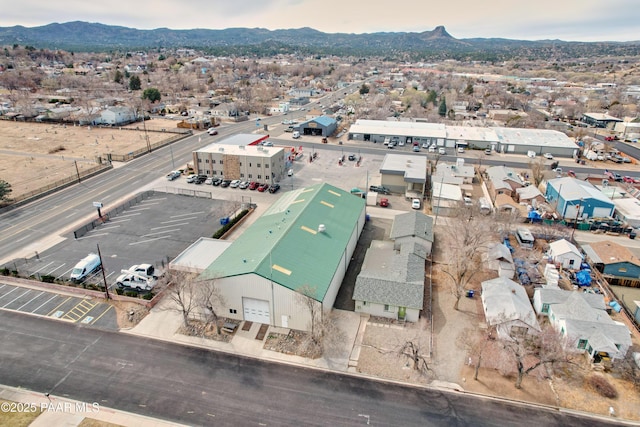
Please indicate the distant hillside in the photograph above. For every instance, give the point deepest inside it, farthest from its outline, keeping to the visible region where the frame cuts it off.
(437, 44)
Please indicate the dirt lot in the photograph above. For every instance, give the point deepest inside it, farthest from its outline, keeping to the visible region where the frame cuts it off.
(33, 155)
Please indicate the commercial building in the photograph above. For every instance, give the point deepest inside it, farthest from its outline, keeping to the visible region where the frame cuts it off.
(296, 253)
(244, 162)
(574, 198)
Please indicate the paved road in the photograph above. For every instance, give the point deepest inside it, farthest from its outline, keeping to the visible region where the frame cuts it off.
(200, 387)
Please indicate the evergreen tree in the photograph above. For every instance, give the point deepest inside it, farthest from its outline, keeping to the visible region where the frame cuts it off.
(134, 83)
(442, 109)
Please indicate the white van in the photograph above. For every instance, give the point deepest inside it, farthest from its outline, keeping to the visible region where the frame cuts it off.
(296, 134)
(86, 266)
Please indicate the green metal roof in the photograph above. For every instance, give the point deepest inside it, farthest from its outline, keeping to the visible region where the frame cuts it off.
(285, 244)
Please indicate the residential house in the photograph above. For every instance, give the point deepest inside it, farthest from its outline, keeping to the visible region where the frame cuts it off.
(617, 263)
(507, 308)
(413, 227)
(498, 258)
(565, 253)
(582, 318)
(503, 180)
(530, 195)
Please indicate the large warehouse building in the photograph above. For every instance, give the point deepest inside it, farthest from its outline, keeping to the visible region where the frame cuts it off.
(301, 245)
(505, 140)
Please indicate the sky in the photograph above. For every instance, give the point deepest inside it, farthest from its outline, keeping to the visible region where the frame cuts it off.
(568, 20)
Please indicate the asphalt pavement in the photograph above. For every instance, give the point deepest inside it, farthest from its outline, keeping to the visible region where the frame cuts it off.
(194, 386)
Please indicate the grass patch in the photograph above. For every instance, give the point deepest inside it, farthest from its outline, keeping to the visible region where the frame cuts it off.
(17, 419)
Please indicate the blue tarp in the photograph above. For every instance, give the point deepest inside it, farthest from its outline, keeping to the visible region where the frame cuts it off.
(583, 277)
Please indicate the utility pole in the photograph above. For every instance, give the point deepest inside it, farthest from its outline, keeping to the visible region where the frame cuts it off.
(104, 278)
(75, 162)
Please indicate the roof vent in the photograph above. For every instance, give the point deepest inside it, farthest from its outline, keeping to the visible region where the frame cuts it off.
(321, 228)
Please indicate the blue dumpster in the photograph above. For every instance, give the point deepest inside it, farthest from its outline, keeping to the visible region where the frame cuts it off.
(224, 221)
(470, 293)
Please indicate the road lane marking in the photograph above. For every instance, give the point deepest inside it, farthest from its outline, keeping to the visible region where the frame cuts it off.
(126, 215)
(28, 290)
(60, 305)
(43, 304)
(147, 241)
(60, 266)
(167, 226)
(25, 237)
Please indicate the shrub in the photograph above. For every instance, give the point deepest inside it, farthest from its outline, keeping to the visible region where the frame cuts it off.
(119, 291)
(5, 271)
(602, 386)
(56, 149)
(131, 294)
(47, 278)
(148, 296)
(218, 234)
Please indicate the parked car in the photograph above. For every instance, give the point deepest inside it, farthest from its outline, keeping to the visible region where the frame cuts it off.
(254, 185)
(267, 144)
(263, 187)
(384, 203)
(134, 281)
(379, 189)
(243, 185)
(209, 181)
(630, 180)
(548, 156)
(173, 175)
(192, 178)
(441, 150)
(460, 149)
(487, 151)
(200, 179)
(416, 204)
(235, 183)
(352, 157)
(216, 181)
(225, 183)
(212, 131)
(274, 188)
(416, 148)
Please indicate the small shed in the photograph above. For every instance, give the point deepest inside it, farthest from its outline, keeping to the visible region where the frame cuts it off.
(565, 253)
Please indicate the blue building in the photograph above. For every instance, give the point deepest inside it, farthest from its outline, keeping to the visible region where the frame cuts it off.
(319, 126)
(574, 198)
(616, 262)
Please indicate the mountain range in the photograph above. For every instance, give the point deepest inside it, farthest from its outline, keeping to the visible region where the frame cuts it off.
(436, 44)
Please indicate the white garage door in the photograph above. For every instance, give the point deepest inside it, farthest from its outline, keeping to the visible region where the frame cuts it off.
(256, 310)
(601, 212)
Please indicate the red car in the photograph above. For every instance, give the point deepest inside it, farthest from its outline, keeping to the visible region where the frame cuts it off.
(631, 180)
(263, 188)
(253, 185)
(384, 203)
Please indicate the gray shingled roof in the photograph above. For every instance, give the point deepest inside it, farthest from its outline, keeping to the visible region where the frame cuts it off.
(389, 277)
(412, 223)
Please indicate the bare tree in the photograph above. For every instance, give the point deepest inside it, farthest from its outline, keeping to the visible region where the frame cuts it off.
(527, 352)
(539, 170)
(182, 293)
(469, 236)
(412, 350)
(307, 298)
(475, 343)
(211, 299)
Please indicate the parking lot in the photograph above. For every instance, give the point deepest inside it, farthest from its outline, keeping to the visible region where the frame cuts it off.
(152, 231)
(72, 309)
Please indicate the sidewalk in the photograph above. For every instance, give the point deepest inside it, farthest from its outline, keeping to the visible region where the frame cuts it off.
(60, 411)
(162, 323)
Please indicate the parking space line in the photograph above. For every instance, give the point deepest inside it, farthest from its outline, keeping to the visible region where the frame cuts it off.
(167, 226)
(175, 220)
(64, 273)
(103, 313)
(126, 215)
(60, 305)
(187, 214)
(3, 285)
(41, 268)
(138, 208)
(42, 292)
(15, 288)
(93, 235)
(147, 241)
(44, 303)
(28, 290)
(80, 310)
(108, 228)
(113, 221)
(60, 266)
(160, 232)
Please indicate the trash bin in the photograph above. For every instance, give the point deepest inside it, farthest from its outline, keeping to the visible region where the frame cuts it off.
(224, 221)
(367, 217)
(632, 236)
(470, 293)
